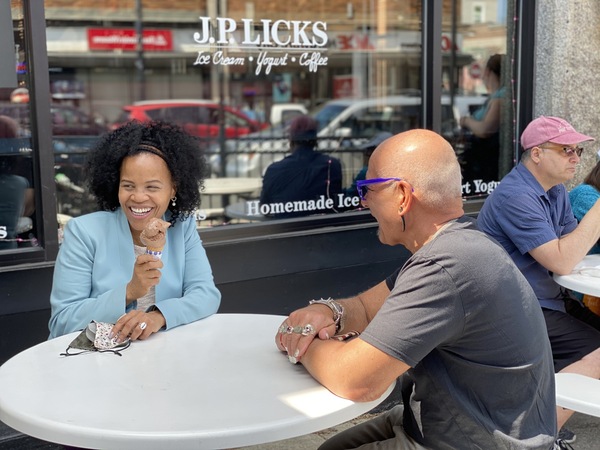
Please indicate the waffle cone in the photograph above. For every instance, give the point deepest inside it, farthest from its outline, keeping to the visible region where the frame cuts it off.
(154, 251)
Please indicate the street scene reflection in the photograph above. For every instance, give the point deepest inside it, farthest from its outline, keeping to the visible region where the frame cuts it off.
(235, 77)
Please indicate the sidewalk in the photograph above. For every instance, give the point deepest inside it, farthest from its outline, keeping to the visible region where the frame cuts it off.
(587, 429)
(309, 441)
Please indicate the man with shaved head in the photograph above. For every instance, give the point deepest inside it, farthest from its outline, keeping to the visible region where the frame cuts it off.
(469, 338)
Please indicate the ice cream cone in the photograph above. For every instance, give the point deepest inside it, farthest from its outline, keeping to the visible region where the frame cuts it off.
(154, 237)
(156, 251)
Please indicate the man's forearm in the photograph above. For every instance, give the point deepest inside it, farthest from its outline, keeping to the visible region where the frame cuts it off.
(561, 255)
(574, 246)
(360, 310)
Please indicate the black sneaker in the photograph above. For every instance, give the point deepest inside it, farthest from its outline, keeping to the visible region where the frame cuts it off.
(559, 444)
(566, 435)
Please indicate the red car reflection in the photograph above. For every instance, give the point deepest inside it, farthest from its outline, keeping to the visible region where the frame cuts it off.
(198, 117)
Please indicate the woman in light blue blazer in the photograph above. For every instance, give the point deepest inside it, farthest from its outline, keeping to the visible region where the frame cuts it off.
(102, 273)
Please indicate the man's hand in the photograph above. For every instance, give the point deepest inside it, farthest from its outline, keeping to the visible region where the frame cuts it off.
(297, 332)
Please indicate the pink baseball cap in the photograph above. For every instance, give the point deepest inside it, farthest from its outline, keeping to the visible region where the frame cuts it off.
(551, 129)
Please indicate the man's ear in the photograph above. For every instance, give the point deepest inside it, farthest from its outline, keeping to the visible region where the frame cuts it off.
(405, 196)
(534, 153)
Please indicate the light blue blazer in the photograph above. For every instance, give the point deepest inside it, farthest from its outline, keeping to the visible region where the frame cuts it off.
(95, 263)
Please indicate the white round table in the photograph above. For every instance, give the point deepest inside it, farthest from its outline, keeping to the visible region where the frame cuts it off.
(585, 277)
(231, 185)
(578, 393)
(219, 382)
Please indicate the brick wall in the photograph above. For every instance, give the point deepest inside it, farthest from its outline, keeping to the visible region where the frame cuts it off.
(404, 12)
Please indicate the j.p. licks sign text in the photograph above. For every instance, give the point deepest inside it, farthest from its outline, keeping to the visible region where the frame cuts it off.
(278, 43)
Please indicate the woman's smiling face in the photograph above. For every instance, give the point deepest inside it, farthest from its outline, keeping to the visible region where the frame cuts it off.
(145, 189)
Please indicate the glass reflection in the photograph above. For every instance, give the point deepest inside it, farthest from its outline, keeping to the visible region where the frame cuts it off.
(237, 83)
(479, 81)
(17, 199)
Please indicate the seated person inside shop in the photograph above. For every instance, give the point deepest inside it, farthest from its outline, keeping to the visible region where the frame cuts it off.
(16, 192)
(112, 266)
(469, 339)
(305, 182)
(482, 140)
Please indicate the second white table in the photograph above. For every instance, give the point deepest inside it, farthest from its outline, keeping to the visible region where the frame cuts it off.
(585, 277)
(578, 393)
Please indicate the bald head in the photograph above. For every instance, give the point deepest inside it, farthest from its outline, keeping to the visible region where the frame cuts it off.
(427, 161)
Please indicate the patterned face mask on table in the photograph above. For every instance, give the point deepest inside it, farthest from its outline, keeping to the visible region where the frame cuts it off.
(96, 338)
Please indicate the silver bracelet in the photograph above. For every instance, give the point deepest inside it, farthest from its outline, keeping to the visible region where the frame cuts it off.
(336, 308)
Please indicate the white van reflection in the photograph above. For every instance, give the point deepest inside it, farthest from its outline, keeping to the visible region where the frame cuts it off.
(344, 124)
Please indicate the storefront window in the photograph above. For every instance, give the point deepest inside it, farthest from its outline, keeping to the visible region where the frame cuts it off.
(17, 204)
(237, 75)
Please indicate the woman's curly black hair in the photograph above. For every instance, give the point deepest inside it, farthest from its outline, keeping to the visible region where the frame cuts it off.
(182, 153)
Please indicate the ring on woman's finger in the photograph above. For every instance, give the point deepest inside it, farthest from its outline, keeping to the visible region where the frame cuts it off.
(142, 325)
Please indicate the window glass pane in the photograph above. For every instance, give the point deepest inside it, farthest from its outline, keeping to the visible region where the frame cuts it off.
(355, 68)
(477, 77)
(237, 83)
(368, 84)
(17, 200)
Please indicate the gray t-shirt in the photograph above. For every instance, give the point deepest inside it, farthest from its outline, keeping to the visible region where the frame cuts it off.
(468, 323)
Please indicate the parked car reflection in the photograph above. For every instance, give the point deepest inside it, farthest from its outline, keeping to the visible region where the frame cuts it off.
(344, 125)
(199, 118)
(66, 120)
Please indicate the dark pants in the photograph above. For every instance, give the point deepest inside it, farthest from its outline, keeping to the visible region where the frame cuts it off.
(384, 432)
(581, 312)
(573, 334)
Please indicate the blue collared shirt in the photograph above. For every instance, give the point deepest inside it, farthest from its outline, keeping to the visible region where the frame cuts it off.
(521, 216)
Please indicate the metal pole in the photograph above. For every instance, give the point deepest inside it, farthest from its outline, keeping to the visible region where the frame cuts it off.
(432, 65)
(452, 70)
(221, 11)
(139, 62)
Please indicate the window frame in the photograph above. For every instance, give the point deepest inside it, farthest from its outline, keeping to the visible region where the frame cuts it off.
(34, 23)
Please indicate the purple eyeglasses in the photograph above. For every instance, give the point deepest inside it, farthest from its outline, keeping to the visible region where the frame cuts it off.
(362, 186)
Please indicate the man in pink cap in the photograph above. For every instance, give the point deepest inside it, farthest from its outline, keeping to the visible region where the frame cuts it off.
(530, 215)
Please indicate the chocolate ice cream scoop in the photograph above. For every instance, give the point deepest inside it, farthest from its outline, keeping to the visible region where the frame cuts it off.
(154, 236)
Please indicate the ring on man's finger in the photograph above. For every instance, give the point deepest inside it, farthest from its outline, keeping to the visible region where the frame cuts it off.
(305, 330)
(308, 330)
(285, 328)
(142, 325)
